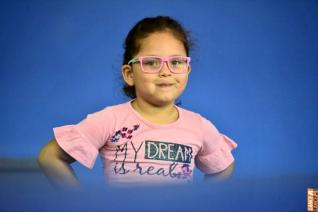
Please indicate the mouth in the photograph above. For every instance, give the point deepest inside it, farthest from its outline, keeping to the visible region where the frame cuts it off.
(165, 85)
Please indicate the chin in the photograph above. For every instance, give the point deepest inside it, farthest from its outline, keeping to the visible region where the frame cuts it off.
(165, 101)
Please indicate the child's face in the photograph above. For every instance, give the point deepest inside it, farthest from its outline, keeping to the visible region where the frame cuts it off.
(158, 88)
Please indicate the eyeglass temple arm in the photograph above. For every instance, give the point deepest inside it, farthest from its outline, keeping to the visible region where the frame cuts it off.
(133, 61)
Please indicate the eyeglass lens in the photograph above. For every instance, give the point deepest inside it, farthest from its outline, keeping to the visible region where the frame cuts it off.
(154, 64)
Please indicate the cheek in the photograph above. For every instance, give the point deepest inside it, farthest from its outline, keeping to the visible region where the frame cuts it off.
(143, 80)
(182, 79)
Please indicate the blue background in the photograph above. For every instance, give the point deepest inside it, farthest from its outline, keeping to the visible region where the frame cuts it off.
(254, 75)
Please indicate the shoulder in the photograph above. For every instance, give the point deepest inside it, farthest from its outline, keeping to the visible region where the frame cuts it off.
(196, 119)
(121, 110)
(188, 113)
(192, 116)
(118, 108)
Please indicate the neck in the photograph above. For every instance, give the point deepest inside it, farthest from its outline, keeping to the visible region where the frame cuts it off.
(159, 114)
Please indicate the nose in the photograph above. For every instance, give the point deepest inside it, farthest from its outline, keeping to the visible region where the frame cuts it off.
(165, 70)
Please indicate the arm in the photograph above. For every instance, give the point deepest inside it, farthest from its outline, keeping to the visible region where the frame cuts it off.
(220, 176)
(55, 164)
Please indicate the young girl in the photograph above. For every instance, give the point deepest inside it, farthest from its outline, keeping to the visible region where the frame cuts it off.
(148, 139)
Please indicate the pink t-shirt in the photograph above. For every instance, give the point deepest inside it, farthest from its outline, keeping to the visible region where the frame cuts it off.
(134, 150)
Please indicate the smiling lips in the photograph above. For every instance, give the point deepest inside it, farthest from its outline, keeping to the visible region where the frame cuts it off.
(165, 85)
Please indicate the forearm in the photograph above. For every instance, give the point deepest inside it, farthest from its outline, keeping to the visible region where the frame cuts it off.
(59, 172)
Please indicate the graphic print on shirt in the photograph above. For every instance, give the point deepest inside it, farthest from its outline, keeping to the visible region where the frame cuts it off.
(178, 155)
(124, 133)
(156, 150)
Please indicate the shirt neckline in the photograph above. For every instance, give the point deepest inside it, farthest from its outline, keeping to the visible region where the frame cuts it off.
(154, 125)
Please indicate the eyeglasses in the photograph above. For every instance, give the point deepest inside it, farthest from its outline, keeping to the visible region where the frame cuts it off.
(153, 64)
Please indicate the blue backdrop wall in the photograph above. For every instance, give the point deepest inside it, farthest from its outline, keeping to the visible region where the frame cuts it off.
(254, 73)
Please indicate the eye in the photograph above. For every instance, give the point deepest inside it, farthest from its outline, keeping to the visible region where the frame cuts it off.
(154, 62)
(178, 61)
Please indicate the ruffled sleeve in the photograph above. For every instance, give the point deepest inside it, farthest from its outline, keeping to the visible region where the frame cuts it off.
(215, 154)
(83, 140)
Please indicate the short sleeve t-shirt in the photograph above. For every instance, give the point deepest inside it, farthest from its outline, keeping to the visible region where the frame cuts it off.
(134, 150)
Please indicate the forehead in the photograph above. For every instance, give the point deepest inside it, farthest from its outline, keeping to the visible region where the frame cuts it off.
(161, 43)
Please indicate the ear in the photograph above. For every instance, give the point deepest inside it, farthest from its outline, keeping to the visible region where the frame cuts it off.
(189, 69)
(128, 74)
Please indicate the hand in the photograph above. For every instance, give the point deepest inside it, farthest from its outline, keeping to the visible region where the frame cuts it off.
(220, 176)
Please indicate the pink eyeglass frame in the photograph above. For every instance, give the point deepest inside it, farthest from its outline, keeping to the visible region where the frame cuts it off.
(163, 59)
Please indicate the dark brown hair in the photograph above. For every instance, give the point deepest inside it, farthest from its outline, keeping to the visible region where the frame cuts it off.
(143, 29)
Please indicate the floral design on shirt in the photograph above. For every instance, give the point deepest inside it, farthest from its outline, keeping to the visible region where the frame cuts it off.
(186, 171)
(124, 133)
